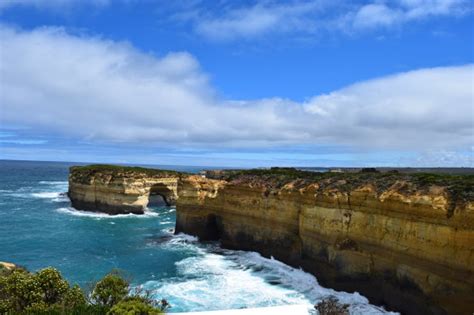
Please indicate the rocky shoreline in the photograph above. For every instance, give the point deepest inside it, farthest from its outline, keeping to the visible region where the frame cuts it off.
(404, 241)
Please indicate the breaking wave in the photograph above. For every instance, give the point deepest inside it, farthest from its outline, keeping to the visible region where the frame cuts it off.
(218, 279)
(100, 215)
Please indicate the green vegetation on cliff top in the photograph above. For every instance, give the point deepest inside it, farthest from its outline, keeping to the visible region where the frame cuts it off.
(107, 168)
(460, 187)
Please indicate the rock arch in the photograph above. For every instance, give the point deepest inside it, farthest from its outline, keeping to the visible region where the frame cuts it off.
(120, 189)
(161, 193)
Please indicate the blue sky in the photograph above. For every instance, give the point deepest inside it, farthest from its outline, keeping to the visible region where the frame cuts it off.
(238, 83)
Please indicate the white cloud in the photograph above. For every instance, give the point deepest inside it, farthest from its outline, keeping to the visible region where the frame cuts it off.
(375, 15)
(100, 90)
(311, 17)
(229, 20)
(259, 19)
(426, 108)
(389, 13)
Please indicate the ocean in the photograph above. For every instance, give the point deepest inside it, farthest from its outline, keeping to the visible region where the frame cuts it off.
(39, 228)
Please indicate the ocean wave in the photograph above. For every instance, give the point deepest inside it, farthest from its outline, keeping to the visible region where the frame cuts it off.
(218, 279)
(162, 210)
(63, 197)
(210, 282)
(46, 195)
(279, 273)
(28, 192)
(166, 222)
(183, 238)
(101, 215)
(22, 192)
(55, 196)
(53, 182)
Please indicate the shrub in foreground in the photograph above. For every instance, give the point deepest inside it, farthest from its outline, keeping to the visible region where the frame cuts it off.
(47, 292)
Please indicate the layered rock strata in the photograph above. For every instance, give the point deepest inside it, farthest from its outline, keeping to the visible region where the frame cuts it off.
(406, 242)
(119, 190)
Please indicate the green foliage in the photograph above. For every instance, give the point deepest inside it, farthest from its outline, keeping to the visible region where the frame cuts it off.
(47, 292)
(51, 284)
(19, 290)
(107, 168)
(134, 306)
(110, 290)
(74, 298)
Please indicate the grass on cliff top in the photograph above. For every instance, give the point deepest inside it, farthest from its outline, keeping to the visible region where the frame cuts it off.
(461, 187)
(93, 168)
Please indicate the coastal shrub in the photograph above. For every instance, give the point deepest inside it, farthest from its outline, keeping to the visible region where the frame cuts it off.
(134, 306)
(110, 290)
(47, 292)
(51, 285)
(74, 298)
(331, 306)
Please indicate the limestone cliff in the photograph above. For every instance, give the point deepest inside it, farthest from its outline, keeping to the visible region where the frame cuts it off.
(117, 189)
(405, 241)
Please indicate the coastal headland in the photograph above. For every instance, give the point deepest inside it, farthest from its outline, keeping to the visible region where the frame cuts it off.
(403, 240)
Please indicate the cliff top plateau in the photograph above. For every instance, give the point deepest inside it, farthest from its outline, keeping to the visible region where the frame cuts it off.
(460, 188)
(95, 170)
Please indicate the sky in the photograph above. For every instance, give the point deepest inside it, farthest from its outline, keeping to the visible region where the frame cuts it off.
(238, 83)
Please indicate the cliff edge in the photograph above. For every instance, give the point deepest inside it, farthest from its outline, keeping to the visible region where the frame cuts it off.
(404, 241)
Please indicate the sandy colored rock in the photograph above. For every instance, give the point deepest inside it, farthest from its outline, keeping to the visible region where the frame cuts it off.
(7, 265)
(119, 190)
(402, 246)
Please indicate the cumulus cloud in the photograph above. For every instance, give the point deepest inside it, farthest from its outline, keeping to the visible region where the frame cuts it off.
(101, 90)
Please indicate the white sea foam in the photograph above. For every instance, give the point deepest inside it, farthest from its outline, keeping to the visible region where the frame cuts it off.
(46, 195)
(22, 192)
(55, 196)
(163, 212)
(303, 282)
(210, 282)
(269, 310)
(100, 215)
(56, 191)
(53, 182)
(165, 222)
(216, 279)
(183, 238)
(62, 198)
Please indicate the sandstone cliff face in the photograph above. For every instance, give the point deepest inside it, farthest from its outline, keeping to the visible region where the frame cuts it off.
(404, 244)
(119, 190)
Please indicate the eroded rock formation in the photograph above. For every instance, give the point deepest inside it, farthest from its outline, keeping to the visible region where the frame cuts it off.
(406, 242)
(119, 190)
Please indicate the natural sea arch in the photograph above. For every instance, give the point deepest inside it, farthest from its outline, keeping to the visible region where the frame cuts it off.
(160, 194)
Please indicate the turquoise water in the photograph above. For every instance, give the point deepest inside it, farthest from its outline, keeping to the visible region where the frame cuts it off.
(38, 228)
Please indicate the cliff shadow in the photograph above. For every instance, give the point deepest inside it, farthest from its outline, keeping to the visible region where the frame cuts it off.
(161, 195)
